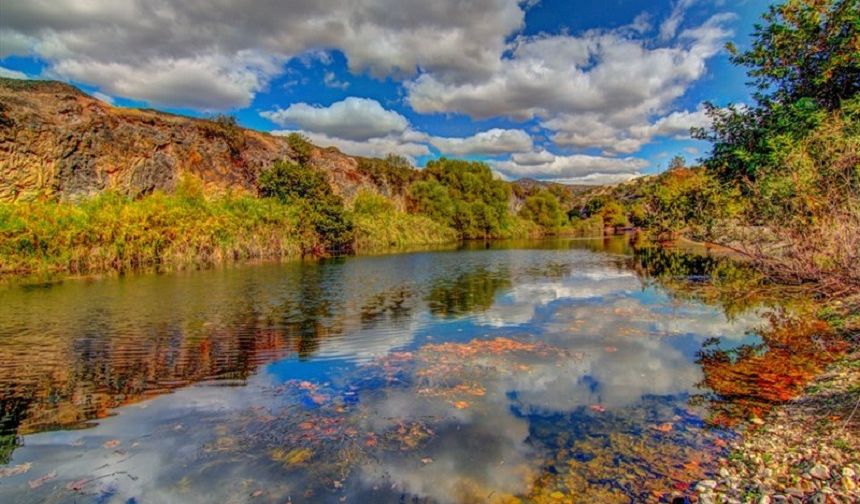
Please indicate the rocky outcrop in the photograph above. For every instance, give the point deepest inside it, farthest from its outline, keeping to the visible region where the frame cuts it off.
(58, 142)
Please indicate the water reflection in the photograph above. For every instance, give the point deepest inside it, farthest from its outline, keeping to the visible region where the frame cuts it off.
(492, 373)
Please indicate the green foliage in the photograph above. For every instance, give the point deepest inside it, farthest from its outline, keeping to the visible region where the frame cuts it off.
(614, 214)
(394, 172)
(463, 195)
(308, 189)
(806, 49)
(379, 225)
(301, 147)
(112, 232)
(804, 62)
(544, 209)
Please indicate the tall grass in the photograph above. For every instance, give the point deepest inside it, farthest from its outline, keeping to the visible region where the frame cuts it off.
(112, 232)
(379, 226)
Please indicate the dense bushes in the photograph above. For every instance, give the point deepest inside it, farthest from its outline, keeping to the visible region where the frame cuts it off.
(320, 210)
(113, 232)
(463, 195)
(544, 210)
(393, 173)
(379, 226)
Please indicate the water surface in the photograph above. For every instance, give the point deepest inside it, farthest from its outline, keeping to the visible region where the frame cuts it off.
(530, 371)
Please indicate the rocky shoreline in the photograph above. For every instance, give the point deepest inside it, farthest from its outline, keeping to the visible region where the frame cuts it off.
(805, 451)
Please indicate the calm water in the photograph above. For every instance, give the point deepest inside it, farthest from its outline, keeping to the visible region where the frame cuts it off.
(530, 370)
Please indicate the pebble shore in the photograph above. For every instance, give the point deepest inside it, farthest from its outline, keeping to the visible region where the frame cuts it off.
(804, 451)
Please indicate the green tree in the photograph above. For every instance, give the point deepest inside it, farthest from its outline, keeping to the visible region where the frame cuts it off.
(805, 49)
(464, 195)
(301, 147)
(804, 61)
(543, 209)
(320, 210)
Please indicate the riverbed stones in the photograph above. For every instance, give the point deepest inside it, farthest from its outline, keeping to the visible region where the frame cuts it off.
(820, 471)
(798, 455)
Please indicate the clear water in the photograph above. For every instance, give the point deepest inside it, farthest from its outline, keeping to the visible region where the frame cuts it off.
(529, 371)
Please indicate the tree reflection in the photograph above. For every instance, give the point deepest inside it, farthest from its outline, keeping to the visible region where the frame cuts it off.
(468, 292)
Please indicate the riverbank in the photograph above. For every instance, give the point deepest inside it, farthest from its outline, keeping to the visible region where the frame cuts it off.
(111, 233)
(803, 451)
(806, 449)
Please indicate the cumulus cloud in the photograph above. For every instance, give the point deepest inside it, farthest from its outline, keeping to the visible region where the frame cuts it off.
(493, 141)
(103, 97)
(12, 74)
(590, 89)
(546, 165)
(350, 119)
(363, 127)
(404, 145)
(207, 55)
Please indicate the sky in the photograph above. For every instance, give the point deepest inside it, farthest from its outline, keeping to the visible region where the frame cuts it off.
(572, 91)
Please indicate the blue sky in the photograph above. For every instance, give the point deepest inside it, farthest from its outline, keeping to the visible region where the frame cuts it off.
(575, 91)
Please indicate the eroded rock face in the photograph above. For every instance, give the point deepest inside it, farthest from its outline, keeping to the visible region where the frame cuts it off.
(58, 142)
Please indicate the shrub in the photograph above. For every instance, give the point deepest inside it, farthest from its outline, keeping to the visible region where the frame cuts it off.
(301, 147)
(379, 225)
(543, 209)
(308, 189)
(463, 195)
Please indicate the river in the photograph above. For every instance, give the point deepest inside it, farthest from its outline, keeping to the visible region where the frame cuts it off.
(511, 372)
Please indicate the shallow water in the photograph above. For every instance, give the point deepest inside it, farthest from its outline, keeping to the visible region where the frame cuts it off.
(529, 370)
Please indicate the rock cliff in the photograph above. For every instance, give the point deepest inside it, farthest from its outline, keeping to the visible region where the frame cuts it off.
(58, 142)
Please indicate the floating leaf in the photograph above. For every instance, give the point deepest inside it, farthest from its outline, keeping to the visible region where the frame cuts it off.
(110, 445)
(15, 470)
(77, 486)
(292, 457)
(36, 483)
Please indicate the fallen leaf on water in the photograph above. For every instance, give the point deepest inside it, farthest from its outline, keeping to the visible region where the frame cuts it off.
(110, 445)
(291, 457)
(597, 407)
(461, 404)
(664, 427)
(257, 493)
(15, 470)
(77, 486)
(36, 483)
(610, 349)
(427, 460)
(319, 398)
(306, 425)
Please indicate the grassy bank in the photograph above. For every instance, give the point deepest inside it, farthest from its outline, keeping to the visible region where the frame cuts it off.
(111, 232)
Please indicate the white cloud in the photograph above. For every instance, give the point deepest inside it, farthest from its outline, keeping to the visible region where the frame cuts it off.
(373, 147)
(12, 74)
(330, 80)
(546, 165)
(491, 142)
(354, 119)
(103, 97)
(209, 82)
(590, 90)
(669, 27)
(206, 55)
